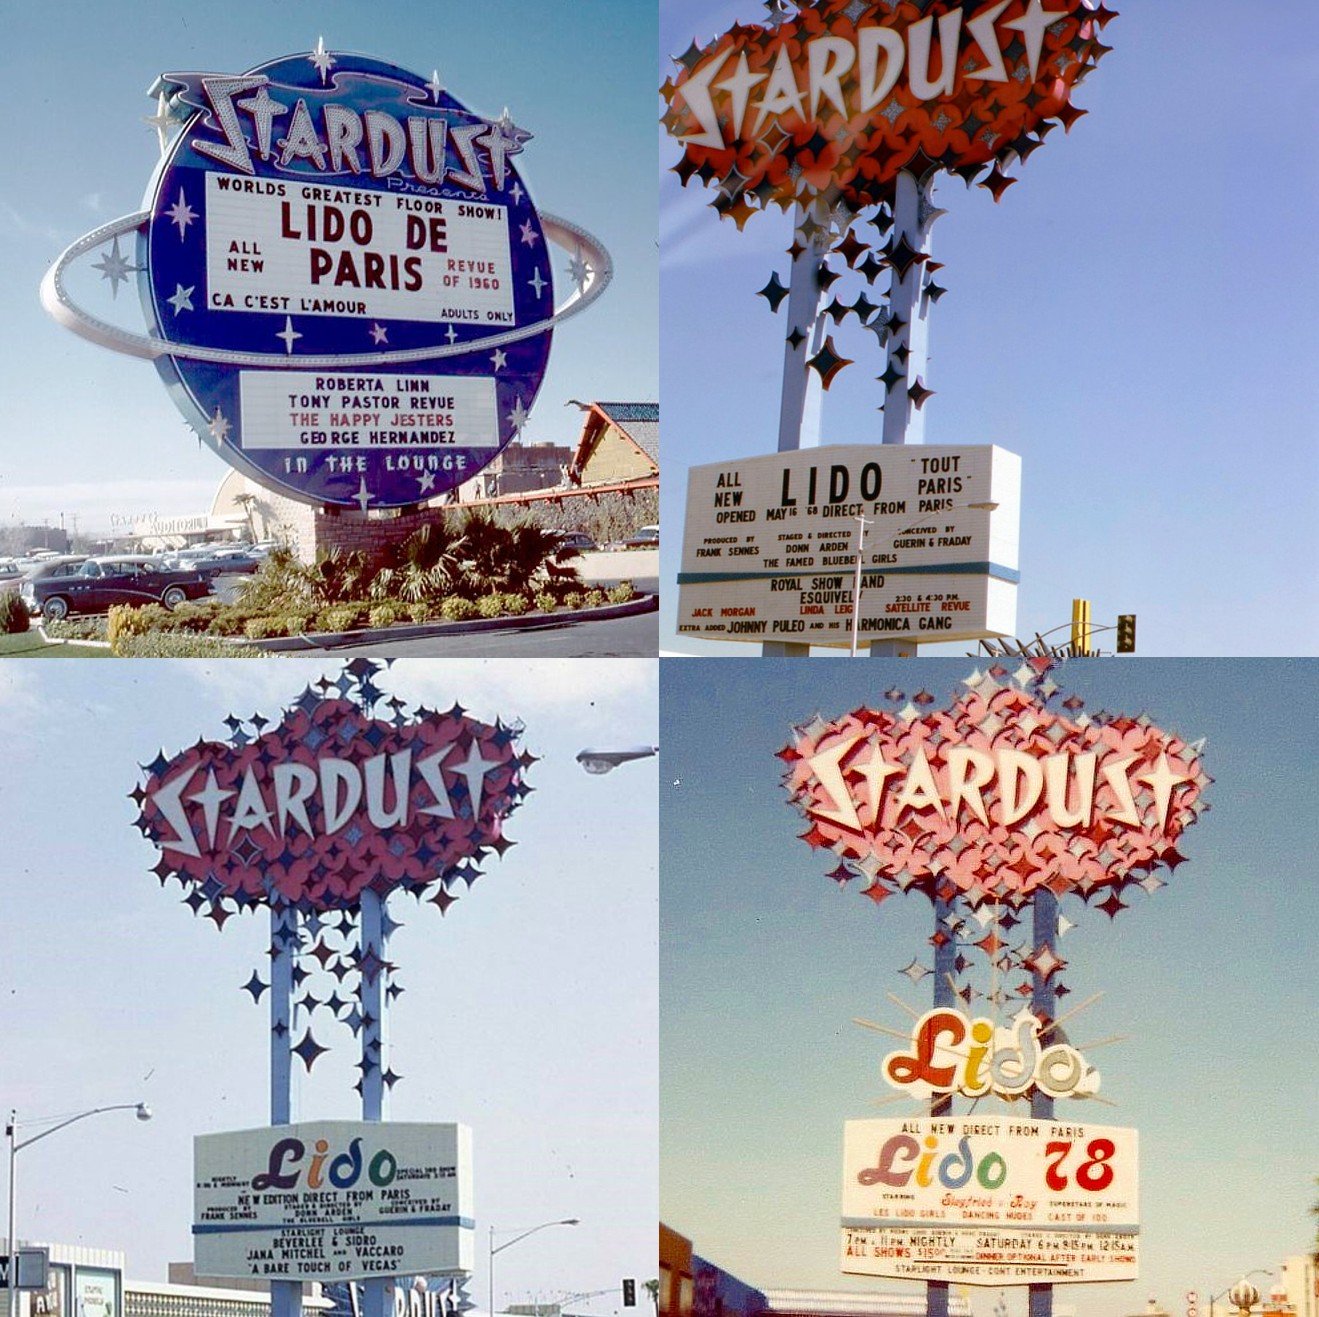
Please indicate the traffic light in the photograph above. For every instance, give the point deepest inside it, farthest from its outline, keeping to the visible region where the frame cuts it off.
(1126, 633)
(1080, 627)
(629, 1292)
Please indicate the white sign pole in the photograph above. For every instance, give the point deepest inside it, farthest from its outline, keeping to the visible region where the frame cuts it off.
(908, 347)
(377, 1292)
(285, 1295)
(800, 398)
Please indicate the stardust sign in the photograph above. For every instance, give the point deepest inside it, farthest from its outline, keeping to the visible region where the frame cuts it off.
(845, 94)
(996, 795)
(770, 544)
(346, 282)
(331, 801)
(989, 1201)
(334, 1200)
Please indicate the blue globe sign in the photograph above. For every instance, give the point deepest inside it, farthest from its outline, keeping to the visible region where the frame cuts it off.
(346, 285)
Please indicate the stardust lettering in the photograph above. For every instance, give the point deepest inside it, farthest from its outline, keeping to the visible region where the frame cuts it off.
(321, 800)
(854, 76)
(337, 139)
(1011, 782)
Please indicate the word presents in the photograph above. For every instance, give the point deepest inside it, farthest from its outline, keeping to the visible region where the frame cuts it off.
(1006, 1062)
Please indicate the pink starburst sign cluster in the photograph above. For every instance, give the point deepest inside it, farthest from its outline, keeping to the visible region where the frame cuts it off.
(995, 796)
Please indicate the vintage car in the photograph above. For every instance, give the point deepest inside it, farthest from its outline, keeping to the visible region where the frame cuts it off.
(646, 538)
(101, 582)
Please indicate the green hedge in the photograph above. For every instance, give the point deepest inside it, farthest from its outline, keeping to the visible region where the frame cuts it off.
(161, 644)
(14, 617)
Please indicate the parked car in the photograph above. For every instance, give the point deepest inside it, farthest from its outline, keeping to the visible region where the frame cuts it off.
(576, 539)
(646, 538)
(222, 561)
(99, 583)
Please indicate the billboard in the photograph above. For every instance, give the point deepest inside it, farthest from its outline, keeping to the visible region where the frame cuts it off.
(346, 285)
(990, 1200)
(770, 545)
(333, 1200)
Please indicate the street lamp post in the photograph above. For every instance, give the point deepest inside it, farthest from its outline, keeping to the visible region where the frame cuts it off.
(15, 1147)
(605, 761)
(544, 1225)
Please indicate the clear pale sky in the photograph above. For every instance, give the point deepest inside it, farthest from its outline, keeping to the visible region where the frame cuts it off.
(1136, 320)
(85, 431)
(528, 1012)
(764, 963)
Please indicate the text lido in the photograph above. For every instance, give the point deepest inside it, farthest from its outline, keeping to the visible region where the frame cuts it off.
(1009, 1063)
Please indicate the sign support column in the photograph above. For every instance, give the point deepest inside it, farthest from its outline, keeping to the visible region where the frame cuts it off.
(1044, 999)
(377, 1296)
(908, 346)
(945, 966)
(801, 394)
(285, 1295)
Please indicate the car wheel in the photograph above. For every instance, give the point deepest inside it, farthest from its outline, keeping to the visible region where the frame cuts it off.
(174, 596)
(55, 609)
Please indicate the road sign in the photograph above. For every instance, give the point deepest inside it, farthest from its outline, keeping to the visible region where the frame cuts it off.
(33, 1269)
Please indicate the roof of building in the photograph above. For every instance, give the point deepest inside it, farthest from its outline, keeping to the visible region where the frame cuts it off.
(639, 421)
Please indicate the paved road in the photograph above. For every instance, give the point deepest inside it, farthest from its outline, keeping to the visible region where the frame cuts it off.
(622, 637)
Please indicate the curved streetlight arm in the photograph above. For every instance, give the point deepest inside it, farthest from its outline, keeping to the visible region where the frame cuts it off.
(73, 1120)
(544, 1225)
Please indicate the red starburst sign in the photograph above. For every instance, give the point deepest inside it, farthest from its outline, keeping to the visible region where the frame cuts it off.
(995, 796)
(839, 99)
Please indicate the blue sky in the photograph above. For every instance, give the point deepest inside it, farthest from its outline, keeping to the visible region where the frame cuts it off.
(528, 1012)
(764, 963)
(90, 433)
(1136, 320)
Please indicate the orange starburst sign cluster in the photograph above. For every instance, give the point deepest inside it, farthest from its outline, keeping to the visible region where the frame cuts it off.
(835, 102)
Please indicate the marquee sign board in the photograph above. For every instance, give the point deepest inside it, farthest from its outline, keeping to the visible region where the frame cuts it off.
(331, 210)
(769, 547)
(347, 287)
(334, 1200)
(990, 1200)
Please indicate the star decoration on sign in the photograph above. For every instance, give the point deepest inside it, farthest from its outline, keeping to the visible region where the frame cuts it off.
(289, 335)
(529, 234)
(164, 121)
(435, 86)
(219, 426)
(181, 213)
(517, 418)
(379, 334)
(116, 267)
(425, 482)
(499, 359)
(363, 496)
(322, 60)
(580, 271)
(182, 299)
